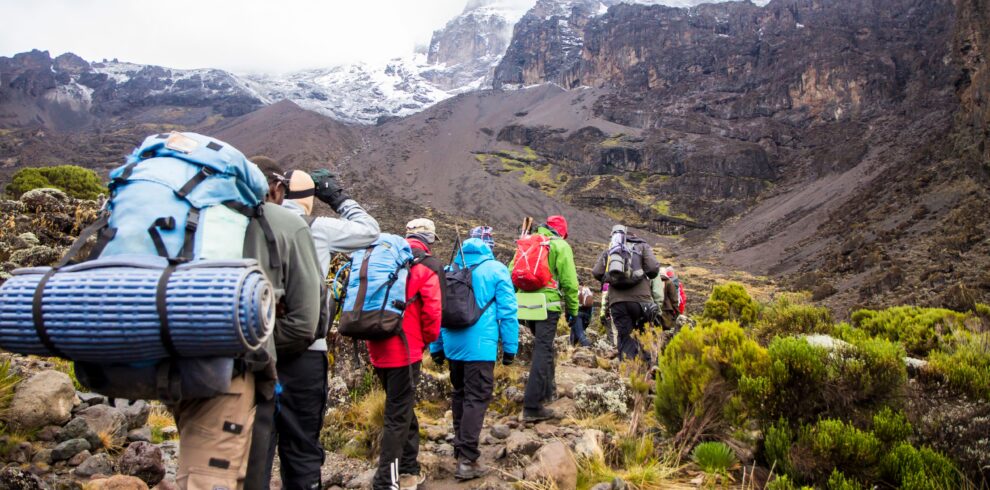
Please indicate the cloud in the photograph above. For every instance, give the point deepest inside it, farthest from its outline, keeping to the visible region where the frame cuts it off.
(241, 35)
(237, 35)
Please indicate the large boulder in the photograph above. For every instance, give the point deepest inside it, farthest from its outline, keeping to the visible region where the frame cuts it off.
(79, 428)
(554, 463)
(143, 460)
(45, 198)
(43, 399)
(522, 443)
(608, 394)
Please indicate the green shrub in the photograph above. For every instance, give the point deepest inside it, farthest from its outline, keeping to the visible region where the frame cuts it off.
(830, 444)
(730, 301)
(982, 311)
(700, 371)
(777, 446)
(966, 364)
(838, 481)
(782, 482)
(912, 468)
(77, 182)
(891, 425)
(713, 457)
(919, 330)
(792, 314)
(804, 382)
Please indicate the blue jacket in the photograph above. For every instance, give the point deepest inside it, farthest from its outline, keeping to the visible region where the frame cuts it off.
(479, 342)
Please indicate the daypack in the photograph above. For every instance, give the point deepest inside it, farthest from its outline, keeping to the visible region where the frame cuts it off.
(681, 295)
(376, 290)
(420, 256)
(531, 264)
(461, 309)
(183, 198)
(586, 299)
(623, 261)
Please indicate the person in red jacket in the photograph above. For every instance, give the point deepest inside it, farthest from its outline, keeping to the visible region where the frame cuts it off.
(398, 365)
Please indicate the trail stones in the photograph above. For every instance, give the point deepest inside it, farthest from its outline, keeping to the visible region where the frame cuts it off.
(500, 431)
(117, 482)
(68, 449)
(522, 442)
(99, 464)
(43, 399)
(136, 413)
(104, 419)
(554, 462)
(588, 445)
(143, 460)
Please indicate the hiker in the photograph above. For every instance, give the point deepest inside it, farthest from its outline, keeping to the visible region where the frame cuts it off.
(667, 297)
(472, 351)
(298, 309)
(484, 233)
(627, 266)
(561, 295)
(586, 300)
(397, 363)
(303, 377)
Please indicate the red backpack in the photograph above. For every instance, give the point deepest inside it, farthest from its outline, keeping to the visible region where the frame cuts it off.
(531, 265)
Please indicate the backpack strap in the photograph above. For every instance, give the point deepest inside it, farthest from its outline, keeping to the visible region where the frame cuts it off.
(363, 282)
(161, 306)
(99, 226)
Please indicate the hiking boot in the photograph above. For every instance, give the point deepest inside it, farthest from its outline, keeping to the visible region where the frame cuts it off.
(469, 470)
(539, 415)
(411, 482)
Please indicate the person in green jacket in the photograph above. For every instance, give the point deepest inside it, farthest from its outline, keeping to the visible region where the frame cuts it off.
(562, 297)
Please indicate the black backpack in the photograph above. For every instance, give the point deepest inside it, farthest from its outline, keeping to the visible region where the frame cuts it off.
(460, 307)
(421, 257)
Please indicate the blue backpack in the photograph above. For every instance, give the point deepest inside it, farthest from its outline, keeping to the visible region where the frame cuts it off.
(376, 290)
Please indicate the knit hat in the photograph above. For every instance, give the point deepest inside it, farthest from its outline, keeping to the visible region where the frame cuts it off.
(301, 189)
(559, 224)
(422, 228)
(485, 234)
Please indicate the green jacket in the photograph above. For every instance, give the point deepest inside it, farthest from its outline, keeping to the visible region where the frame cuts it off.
(564, 272)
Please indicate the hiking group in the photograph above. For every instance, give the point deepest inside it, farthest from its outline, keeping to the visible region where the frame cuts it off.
(186, 206)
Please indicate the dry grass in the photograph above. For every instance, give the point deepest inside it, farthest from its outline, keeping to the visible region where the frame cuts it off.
(607, 422)
(159, 419)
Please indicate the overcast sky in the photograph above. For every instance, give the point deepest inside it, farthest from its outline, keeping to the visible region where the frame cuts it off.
(236, 35)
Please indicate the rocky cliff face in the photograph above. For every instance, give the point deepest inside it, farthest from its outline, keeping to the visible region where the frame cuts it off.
(68, 92)
(462, 54)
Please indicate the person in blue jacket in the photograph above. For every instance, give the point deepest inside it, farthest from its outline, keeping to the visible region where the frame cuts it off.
(472, 352)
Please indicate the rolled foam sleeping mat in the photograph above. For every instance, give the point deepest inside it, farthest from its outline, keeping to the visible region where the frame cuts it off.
(105, 310)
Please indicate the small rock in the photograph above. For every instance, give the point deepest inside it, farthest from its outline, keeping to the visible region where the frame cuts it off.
(39, 469)
(44, 198)
(338, 394)
(91, 399)
(502, 453)
(545, 430)
(117, 482)
(143, 460)
(79, 428)
(139, 435)
(582, 357)
(37, 255)
(501, 431)
(513, 394)
(99, 464)
(445, 450)
(21, 453)
(588, 445)
(26, 239)
(70, 448)
(14, 478)
(564, 407)
(104, 419)
(618, 484)
(488, 440)
(915, 366)
(520, 442)
(43, 399)
(48, 434)
(167, 484)
(43, 456)
(170, 432)
(435, 433)
(602, 486)
(78, 458)
(135, 412)
(554, 462)
(363, 480)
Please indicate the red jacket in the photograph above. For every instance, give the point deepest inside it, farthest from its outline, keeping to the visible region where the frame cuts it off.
(420, 321)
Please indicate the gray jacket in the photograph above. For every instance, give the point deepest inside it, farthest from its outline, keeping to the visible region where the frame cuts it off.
(354, 230)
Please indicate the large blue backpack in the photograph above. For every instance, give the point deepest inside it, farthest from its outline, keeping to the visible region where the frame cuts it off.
(376, 290)
(179, 207)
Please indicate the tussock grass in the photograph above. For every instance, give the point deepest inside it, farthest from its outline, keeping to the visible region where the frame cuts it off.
(159, 419)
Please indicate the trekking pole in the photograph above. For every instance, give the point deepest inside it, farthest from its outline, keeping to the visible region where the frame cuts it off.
(460, 244)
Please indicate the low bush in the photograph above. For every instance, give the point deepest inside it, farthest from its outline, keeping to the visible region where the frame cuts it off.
(699, 374)
(714, 458)
(909, 467)
(891, 426)
(919, 330)
(77, 182)
(838, 481)
(805, 382)
(731, 301)
(792, 314)
(965, 364)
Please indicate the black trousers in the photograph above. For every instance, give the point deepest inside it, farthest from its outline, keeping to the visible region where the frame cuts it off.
(581, 324)
(542, 369)
(299, 420)
(628, 317)
(473, 384)
(259, 470)
(400, 434)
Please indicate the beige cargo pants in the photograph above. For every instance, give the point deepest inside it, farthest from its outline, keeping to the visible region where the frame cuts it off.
(215, 438)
